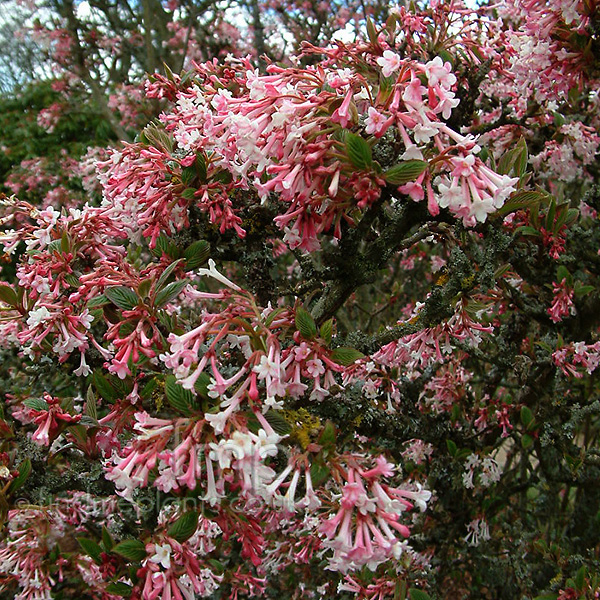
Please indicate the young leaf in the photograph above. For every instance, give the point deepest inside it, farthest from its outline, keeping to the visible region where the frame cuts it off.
(326, 331)
(405, 171)
(91, 409)
(185, 527)
(346, 356)
(122, 297)
(358, 151)
(521, 157)
(305, 324)
(36, 404)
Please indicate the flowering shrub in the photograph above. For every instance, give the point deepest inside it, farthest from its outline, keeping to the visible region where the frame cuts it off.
(322, 330)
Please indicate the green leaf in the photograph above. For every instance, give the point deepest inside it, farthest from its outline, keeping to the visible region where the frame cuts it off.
(346, 356)
(216, 566)
(91, 548)
(164, 277)
(582, 290)
(521, 158)
(185, 527)
(526, 230)
(571, 216)
(305, 324)
(36, 404)
(271, 316)
(277, 422)
(452, 448)
(8, 295)
(559, 120)
(196, 254)
(107, 540)
(166, 246)
(446, 56)
(144, 287)
(189, 193)
(522, 199)
(415, 594)
(327, 437)
(54, 247)
(514, 160)
(91, 409)
(326, 331)
(21, 478)
(155, 135)
(358, 151)
(201, 385)
(550, 215)
(200, 166)
(188, 174)
(580, 578)
(372, 32)
(319, 472)
(526, 416)
(97, 301)
(178, 397)
(169, 292)
(122, 297)
(119, 589)
(150, 386)
(405, 171)
(131, 550)
(65, 242)
(562, 273)
(223, 176)
(104, 387)
(526, 441)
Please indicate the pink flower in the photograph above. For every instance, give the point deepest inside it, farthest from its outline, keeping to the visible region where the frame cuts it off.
(390, 62)
(376, 122)
(440, 72)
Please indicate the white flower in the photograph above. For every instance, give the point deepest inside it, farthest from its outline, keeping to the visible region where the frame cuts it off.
(266, 368)
(162, 555)
(37, 316)
(212, 272)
